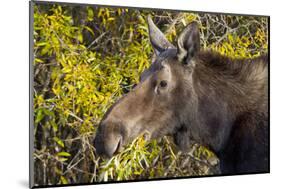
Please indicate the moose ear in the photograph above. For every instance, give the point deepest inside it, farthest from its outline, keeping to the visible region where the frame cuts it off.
(188, 42)
(157, 38)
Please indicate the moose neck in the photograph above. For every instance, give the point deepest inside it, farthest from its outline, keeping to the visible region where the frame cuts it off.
(220, 83)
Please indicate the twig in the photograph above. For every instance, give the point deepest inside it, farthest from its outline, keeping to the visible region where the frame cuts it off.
(96, 40)
(75, 116)
(175, 21)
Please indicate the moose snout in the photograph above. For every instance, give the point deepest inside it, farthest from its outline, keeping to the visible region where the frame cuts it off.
(109, 139)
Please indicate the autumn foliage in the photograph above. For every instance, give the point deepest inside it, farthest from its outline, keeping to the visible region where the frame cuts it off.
(85, 58)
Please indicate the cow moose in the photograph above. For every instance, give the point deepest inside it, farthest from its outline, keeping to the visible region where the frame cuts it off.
(196, 96)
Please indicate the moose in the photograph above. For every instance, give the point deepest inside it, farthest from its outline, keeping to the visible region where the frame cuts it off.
(195, 96)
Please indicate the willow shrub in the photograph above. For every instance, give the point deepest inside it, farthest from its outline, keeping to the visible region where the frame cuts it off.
(84, 59)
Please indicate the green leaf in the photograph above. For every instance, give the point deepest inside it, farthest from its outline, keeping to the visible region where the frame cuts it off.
(39, 115)
(80, 37)
(63, 180)
(90, 30)
(39, 44)
(63, 159)
(54, 125)
(66, 70)
(58, 141)
(37, 60)
(66, 154)
(90, 14)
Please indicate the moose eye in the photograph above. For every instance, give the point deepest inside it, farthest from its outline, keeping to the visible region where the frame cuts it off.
(163, 84)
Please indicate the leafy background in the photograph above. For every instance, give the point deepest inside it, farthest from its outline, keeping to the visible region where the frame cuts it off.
(85, 58)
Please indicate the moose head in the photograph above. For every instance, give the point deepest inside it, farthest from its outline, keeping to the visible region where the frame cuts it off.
(163, 101)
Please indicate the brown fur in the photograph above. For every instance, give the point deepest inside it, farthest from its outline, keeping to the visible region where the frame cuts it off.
(196, 96)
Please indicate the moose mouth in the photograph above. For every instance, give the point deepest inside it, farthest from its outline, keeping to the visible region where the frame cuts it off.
(109, 145)
(119, 147)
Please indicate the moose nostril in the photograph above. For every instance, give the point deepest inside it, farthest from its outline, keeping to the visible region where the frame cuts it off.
(108, 146)
(109, 138)
(113, 146)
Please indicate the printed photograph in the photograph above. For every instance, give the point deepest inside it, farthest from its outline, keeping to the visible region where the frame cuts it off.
(136, 94)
